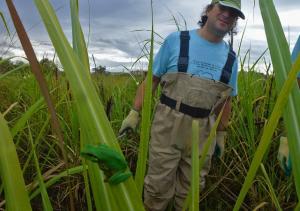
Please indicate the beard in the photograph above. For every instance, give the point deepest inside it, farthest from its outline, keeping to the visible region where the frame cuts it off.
(214, 29)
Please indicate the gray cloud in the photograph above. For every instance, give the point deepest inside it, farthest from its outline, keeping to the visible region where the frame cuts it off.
(287, 4)
(114, 24)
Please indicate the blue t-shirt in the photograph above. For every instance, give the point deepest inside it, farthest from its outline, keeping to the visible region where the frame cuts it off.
(296, 51)
(206, 59)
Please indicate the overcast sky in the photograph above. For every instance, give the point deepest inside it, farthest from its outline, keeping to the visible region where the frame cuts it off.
(118, 28)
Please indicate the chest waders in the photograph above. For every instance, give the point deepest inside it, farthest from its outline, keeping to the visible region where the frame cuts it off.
(184, 98)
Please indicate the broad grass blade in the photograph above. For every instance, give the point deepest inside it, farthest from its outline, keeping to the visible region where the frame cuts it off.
(80, 49)
(93, 120)
(79, 45)
(146, 121)
(16, 195)
(282, 64)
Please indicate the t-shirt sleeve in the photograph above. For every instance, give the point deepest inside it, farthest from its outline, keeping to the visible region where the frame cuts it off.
(234, 77)
(296, 52)
(161, 59)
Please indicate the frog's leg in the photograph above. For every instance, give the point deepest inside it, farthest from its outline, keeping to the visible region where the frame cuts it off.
(119, 177)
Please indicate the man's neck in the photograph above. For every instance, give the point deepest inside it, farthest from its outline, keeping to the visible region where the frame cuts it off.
(206, 34)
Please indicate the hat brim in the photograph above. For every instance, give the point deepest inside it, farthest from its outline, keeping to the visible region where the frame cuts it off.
(239, 12)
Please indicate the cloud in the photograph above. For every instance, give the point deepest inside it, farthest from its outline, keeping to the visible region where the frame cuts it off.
(117, 29)
(287, 4)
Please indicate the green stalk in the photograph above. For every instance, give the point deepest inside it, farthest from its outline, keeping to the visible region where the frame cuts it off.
(57, 178)
(16, 196)
(45, 198)
(271, 189)
(5, 24)
(26, 116)
(146, 120)
(37, 141)
(80, 49)
(87, 186)
(207, 145)
(194, 205)
(268, 132)
(93, 120)
(79, 45)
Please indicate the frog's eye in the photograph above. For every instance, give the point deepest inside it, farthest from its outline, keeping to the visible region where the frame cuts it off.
(89, 152)
(89, 156)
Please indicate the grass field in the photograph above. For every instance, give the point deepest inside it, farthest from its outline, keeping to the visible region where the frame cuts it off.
(250, 112)
(41, 140)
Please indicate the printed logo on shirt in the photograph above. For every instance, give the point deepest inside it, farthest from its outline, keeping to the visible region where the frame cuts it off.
(207, 70)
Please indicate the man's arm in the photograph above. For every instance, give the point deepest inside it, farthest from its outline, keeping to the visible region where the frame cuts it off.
(221, 130)
(132, 120)
(225, 115)
(139, 97)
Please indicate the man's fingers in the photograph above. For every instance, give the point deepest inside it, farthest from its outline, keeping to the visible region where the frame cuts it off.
(286, 167)
(124, 131)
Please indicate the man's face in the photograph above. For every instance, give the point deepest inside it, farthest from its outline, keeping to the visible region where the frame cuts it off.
(221, 20)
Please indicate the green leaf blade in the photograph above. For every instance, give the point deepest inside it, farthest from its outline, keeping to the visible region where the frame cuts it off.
(10, 171)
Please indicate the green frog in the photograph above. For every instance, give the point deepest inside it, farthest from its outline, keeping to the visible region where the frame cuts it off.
(109, 160)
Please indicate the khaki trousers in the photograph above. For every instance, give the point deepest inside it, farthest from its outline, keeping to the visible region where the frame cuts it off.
(169, 167)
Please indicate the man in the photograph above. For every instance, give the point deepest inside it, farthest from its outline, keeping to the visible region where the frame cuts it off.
(283, 151)
(198, 74)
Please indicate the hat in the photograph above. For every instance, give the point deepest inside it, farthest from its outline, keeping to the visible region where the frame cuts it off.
(234, 4)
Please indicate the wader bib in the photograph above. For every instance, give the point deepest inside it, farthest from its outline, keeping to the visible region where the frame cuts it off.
(183, 99)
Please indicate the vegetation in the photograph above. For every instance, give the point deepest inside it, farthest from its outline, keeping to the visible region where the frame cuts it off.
(90, 108)
(116, 92)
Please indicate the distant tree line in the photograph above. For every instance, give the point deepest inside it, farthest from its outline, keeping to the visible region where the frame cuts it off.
(6, 65)
(99, 69)
(49, 66)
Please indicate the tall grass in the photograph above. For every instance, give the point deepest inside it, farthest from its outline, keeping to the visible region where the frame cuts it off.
(82, 111)
(283, 70)
(281, 62)
(94, 124)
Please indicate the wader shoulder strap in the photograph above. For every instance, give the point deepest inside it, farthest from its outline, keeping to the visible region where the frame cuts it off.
(227, 69)
(183, 59)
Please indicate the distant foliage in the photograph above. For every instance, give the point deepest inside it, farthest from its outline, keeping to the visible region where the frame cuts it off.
(99, 69)
(6, 65)
(48, 65)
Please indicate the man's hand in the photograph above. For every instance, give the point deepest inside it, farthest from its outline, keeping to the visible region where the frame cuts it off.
(130, 122)
(220, 143)
(284, 156)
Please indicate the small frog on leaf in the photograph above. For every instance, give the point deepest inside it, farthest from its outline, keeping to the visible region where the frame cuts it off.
(109, 160)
